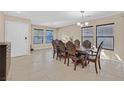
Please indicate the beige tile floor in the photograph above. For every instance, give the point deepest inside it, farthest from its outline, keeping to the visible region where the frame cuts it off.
(40, 66)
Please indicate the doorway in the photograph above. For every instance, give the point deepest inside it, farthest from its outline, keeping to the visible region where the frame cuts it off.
(17, 34)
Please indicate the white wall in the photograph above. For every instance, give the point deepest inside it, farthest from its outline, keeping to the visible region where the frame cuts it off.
(69, 31)
(2, 34)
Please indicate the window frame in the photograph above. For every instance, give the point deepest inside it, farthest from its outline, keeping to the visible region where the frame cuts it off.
(38, 36)
(105, 36)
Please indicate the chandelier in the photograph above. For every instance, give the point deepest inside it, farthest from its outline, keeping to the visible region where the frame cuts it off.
(84, 23)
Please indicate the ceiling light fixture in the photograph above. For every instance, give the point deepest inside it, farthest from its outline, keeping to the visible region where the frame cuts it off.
(82, 24)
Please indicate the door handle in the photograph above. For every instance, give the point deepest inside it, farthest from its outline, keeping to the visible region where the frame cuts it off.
(25, 38)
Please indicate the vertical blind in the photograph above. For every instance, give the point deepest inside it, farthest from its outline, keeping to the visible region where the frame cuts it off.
(38, 36)
(49, 36)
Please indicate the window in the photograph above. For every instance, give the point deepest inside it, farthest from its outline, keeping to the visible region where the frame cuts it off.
(38, 36)
(49, 36)
(105, 33)
(87, 34)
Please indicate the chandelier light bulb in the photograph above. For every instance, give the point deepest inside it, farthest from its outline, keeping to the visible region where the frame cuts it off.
(86, 23)
(82, 25)
(78, 24)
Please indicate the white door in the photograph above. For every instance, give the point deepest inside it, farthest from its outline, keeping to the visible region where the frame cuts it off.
(17, 34)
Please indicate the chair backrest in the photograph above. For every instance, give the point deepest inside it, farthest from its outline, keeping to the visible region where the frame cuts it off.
(55, 43)
(77, 43)
(86, 44)
(71, 48)
(99, 50)
(61, 46)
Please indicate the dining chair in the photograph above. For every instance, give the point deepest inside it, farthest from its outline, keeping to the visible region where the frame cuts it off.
(55, 48)
(71, 53)
(77, 43)
(95, 58)
(86, 44)
(62, 51)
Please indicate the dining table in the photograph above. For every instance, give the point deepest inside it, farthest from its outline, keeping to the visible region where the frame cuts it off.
(85, 53)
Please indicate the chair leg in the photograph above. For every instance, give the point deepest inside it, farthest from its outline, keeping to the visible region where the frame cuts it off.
(88, 61)
(82, 63)
(75, 65)
(85, 62)
(68, 61)
(53, 53)
(65, 60)
(60, 58)
(57, 56)
(96, 68)
(99, 63)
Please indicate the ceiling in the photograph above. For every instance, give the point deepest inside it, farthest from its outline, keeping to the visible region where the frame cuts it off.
(60, 18)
